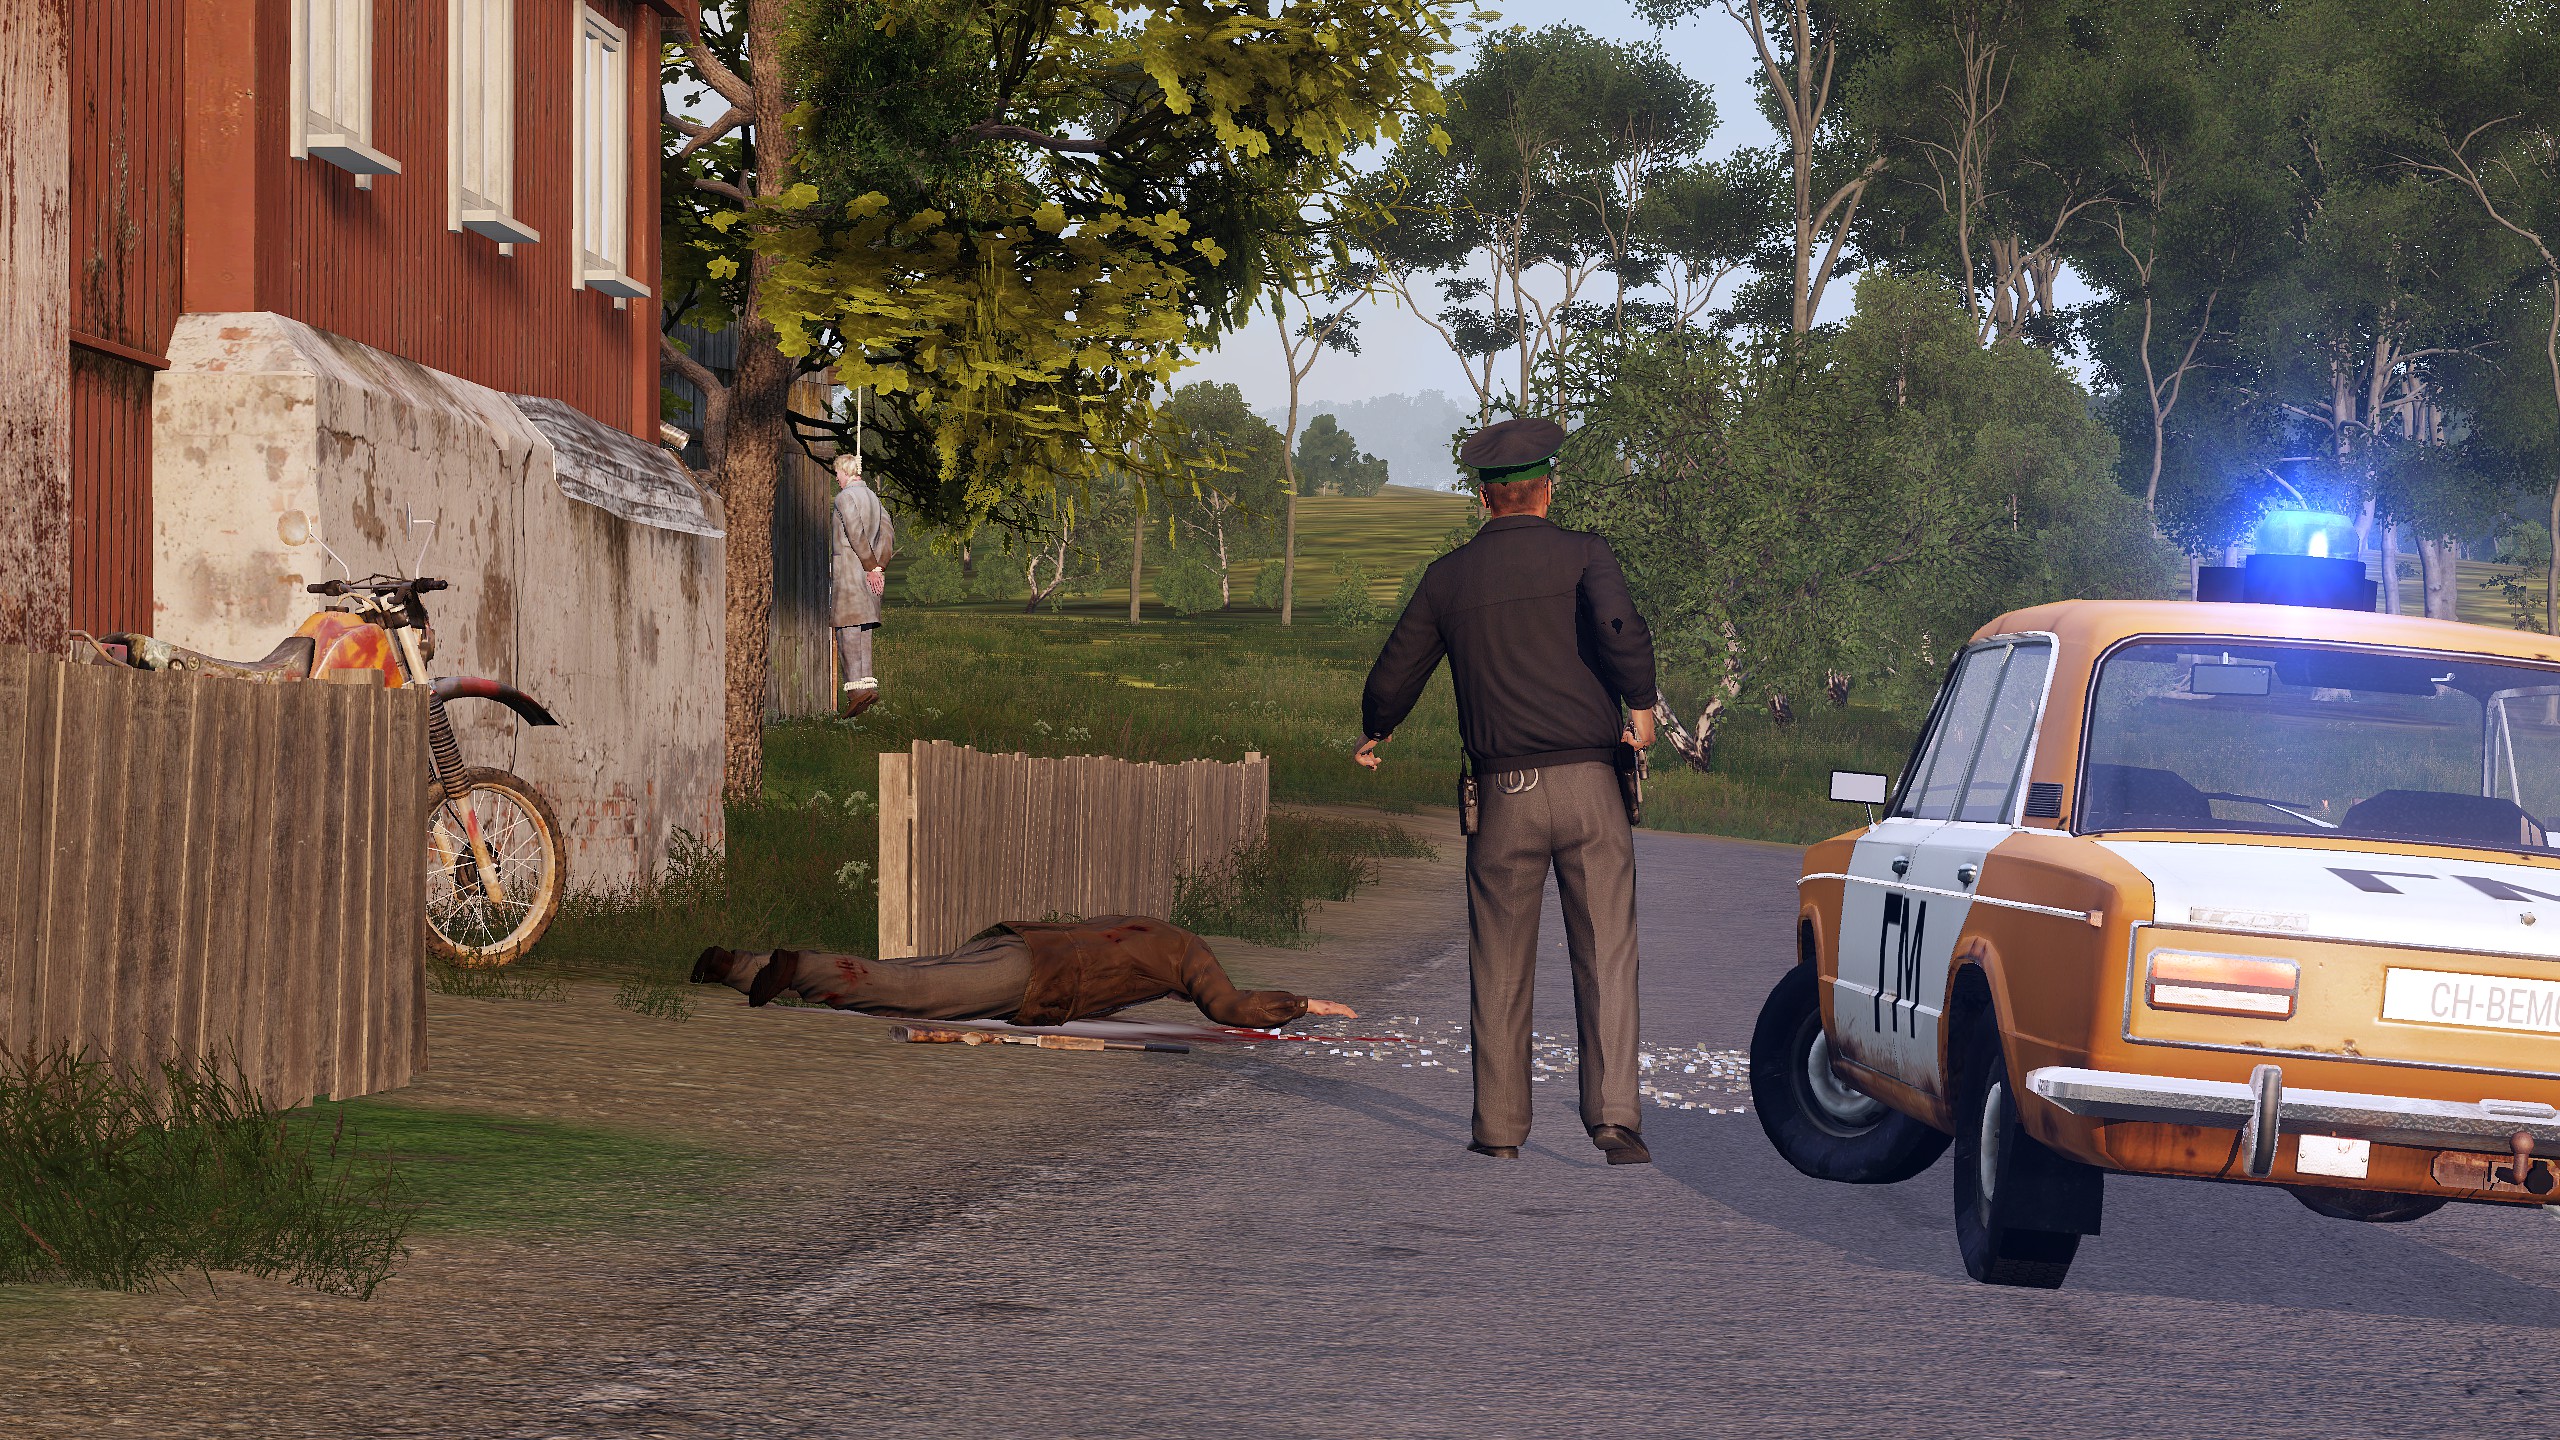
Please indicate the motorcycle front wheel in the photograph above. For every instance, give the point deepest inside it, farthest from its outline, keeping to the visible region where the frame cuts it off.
(467, 923)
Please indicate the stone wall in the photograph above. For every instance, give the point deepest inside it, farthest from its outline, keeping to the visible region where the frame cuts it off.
(274, 443)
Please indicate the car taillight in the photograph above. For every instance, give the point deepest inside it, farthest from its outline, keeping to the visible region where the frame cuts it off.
(2223, 984)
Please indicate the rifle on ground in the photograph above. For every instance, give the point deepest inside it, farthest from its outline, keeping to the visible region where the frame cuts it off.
(930, 1035)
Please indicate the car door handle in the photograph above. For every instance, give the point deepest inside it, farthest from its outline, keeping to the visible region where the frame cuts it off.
(1901, 866)
(1967, 873)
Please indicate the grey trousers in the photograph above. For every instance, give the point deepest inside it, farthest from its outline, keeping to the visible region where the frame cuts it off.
(853, 645)
(1568, 818)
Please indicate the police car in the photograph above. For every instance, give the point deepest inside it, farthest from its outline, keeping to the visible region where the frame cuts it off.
(2261, 890)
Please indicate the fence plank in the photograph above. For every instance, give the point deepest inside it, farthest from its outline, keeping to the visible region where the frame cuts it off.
(187, 870)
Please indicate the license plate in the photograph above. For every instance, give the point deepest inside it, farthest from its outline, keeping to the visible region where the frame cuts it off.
(2481, 1002)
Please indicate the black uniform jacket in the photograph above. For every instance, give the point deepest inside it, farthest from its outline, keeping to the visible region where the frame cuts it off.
(1542, 639)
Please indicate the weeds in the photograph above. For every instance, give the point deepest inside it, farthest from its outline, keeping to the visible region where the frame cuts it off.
(490, 983)
(1263, 891)
(111, 1184)
(655, 998)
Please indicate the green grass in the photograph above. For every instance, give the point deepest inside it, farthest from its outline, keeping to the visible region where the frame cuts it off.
(469, 1171)
(114, 1185)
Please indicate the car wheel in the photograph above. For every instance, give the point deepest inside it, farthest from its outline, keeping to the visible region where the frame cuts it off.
(2374, 1207)
(1824, 1128)
(2020, 1207)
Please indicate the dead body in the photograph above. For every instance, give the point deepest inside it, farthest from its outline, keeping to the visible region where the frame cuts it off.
(1029, 973)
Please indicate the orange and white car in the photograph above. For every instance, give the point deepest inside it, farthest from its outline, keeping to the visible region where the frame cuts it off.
(2232, 891)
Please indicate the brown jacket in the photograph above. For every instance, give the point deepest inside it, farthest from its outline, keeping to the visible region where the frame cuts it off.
(1093, 967)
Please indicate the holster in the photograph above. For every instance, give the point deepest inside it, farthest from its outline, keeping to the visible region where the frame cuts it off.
(1470, 809)
(1631, 771)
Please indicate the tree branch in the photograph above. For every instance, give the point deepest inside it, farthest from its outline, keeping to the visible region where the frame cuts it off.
(701, 135)
(719, 77)
(715, 398)
(1025, 135)
(719, 187)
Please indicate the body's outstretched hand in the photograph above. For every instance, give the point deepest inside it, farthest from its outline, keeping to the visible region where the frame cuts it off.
(1332, 1007)
(1367, 756)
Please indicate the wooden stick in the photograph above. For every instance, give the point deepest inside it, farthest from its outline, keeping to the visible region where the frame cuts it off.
(930, 1035)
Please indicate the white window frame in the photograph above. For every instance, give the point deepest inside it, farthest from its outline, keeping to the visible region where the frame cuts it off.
(600, 204)
(332, 83)
(480, 121)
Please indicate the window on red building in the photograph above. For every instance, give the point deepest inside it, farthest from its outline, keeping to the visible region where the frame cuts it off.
(603, 158)
(481, 119)
(332, 81)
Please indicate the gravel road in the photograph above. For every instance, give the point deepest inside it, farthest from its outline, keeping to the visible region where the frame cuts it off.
(1289, 1241)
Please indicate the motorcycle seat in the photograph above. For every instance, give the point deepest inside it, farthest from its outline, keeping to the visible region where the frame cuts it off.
(290, 660)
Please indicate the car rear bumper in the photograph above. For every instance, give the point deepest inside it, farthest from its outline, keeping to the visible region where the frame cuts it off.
(2487, 1125)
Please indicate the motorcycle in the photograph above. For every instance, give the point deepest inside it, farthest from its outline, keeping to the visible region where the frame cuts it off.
(496, 870)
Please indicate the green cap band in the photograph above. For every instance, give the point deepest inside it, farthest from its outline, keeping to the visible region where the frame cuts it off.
(1510, 474)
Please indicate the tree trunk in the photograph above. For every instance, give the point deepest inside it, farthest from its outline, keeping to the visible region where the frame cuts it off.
(1289, 549)
(1137, 559)
(2391, 567)
(2436, 560)
(758, 399)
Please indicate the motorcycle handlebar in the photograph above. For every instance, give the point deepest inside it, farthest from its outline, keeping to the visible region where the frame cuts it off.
(395, 587)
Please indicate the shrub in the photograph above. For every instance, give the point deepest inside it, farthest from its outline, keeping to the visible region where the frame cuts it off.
(1262, 892)
(1189, 586)
(1412, 581)
(1267, 585)
(995, 576)
(934, 578)
(105, 1183)
(1352, 606)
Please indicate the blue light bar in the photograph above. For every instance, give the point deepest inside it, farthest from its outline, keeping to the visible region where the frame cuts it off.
(2316, 533)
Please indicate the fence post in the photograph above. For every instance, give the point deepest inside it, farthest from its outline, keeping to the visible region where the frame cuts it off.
(897, 855)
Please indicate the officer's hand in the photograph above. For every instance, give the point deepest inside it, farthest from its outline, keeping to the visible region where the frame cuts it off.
(1367, 755)
(1640, 729)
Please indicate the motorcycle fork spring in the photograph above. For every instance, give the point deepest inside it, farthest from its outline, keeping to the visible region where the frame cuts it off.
(444, 750)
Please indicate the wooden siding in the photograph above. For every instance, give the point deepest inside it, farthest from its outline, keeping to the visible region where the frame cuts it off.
(199, 867)
(968, 840)
(35, 323)
(379, 266)
(110, 493)
(128, 93)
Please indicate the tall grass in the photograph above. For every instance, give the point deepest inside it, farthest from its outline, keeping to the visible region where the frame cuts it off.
(1262, 892)
(107, 1183)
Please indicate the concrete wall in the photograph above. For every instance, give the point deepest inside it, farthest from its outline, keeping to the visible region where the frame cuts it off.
(271, 439)
(35, 324)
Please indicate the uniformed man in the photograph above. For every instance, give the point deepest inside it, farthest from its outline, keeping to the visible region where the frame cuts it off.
(1545, 646)
(861, 544)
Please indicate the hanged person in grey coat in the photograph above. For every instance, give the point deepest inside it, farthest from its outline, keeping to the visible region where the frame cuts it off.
(862, 543)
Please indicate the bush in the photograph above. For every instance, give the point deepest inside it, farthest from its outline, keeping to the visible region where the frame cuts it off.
(1190, 586)
(1352, 607)
(996, 577)
(934, 578)
(1412, 581)
(104, 1183)
(1262, 892)
(1267, 585)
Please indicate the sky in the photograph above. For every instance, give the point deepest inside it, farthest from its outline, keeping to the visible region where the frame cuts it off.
(1399, 354)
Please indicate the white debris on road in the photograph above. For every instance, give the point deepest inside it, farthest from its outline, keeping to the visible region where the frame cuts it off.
(1692, 1077)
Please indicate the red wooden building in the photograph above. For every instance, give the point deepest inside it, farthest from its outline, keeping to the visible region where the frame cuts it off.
(338, 265)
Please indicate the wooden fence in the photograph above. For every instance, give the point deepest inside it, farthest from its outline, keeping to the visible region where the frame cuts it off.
(969, 839)
(197, 866)
(800, 671)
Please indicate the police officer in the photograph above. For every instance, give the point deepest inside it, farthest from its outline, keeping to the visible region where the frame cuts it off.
(1544, 645)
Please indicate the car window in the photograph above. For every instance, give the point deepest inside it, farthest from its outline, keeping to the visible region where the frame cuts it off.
(2288, 738)
(1937, 781)
(2005, 735)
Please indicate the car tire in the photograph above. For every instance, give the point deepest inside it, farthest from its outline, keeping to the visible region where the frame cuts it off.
(1820, 1125)
(2373, 1207)
(2020, 1207)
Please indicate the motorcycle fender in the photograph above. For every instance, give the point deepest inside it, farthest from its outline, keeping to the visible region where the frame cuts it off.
(472, 687)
